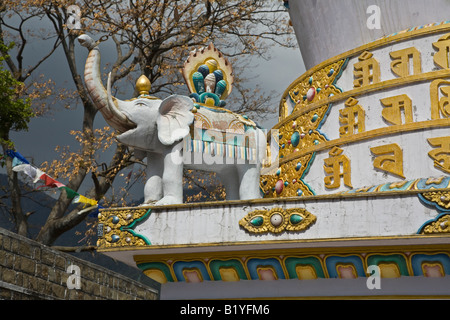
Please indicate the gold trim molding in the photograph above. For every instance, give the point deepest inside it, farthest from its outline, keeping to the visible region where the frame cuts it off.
(277, 220)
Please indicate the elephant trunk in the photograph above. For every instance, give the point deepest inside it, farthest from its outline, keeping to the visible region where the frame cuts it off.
(113, 116)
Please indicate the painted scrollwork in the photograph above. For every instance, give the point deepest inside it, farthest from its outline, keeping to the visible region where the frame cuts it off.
(441, 225)
(441, 198)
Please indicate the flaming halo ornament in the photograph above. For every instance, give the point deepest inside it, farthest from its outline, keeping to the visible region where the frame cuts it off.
(209, 76)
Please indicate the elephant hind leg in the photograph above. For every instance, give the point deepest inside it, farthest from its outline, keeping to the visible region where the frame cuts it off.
(249, 179)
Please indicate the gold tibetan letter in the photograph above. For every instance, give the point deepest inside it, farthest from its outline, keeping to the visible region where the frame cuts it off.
(366, 71)
(441, 155)
(395, 107)
(442, 57)
(440, 99)
(401, 64)
(389, 158)
(333, 170)
(352, 118)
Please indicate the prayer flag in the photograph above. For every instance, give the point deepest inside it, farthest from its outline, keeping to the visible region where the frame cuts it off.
(82, 199)
(70, 193)
(20, 164)
(50, 182)
(32, 172)
(18, 156)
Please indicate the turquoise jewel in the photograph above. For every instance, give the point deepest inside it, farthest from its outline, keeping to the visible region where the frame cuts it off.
(295, 219)
(221, 86)
(295, 139)
(115, 219)
(218, 74)
(213, 96)
(199, 84)
(115, 238)
(196, 96)
(257, 221)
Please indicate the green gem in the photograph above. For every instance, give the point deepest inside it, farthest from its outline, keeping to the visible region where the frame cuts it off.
(257, 221)
(315, 117)
(295, 219)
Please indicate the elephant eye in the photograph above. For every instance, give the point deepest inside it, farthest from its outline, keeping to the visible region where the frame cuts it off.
(140, 104)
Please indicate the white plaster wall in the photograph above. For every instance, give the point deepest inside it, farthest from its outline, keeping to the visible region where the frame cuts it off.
(416, 162)
(423, 44)
(336, 218)
(326, 28)
(419, 93)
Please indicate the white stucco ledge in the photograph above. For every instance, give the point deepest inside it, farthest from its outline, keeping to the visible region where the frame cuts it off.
(352, 215)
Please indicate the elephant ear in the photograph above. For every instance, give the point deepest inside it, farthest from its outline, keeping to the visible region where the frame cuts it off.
(174, 119)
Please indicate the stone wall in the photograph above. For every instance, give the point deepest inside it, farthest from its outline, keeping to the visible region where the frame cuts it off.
(29, 270)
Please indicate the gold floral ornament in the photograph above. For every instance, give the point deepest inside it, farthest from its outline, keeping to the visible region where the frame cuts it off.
(301, 131)
(277, 220)
(441, 198)
(441, 225)
(314, 88)
(116, 227)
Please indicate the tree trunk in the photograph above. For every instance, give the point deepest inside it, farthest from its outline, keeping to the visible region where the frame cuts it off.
(20, 219)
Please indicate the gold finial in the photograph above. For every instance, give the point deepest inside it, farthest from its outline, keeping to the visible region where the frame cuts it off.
(143, 85)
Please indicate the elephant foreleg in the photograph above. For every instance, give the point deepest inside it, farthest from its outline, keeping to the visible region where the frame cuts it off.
(172, 178)
(153, 190)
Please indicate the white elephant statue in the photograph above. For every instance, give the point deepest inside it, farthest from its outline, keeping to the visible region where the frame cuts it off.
(177, 133)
